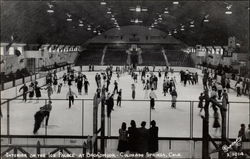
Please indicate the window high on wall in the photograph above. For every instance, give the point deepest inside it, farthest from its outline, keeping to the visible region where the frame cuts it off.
(2, 50)
(11, 51)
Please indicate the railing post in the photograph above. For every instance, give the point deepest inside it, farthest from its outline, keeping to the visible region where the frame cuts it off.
(15, 152)
(82, 117)
(8, 117)
(38, 149)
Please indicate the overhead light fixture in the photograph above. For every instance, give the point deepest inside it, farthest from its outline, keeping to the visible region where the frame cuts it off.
(182, 28)
(99, 33)
(166, 12)
(50, 10)
(155, 23)
(150, 28)
(228, 11)
(136, 21)
(170, 33)
(206, 20)
(69, 19)
(89, 27)
(175, 31)
(80, 25)
(176, 2)
(160, 18)
(191, 24)
(109, 12)
(118, 28)
(138, 9)
(103, 3)
(112, 18)
(94, 31)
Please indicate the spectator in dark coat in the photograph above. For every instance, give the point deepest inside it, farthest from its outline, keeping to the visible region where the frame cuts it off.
(132, 137)
(153, 138)
(142, 138)
(123, 139)
(39, 116)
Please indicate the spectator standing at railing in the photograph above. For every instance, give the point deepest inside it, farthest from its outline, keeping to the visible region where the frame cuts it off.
(142, 139)
(153, 138)
(25, 91)
(123, 138)
(132, 137)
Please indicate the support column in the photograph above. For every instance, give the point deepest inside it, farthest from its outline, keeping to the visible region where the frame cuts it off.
(205, 133)
(103, 126)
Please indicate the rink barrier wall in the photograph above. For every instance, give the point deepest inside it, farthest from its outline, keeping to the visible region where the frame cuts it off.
(12, 87)
(190, 119)
(98, 68)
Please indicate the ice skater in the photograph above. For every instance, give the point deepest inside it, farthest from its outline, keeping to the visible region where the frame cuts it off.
(46, 111)
(70, 96)
(115, 87)
(59, 88)
(31, 91)
(174, 97)
(25, 91)
(49, 91)
(37, 92)
(133, 91)
(86, 85)
(119, 98)
(152, 97)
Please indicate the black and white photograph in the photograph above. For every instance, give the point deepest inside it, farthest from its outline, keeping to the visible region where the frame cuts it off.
(124, 79)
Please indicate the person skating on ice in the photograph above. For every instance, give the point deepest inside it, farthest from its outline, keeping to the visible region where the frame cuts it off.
(25, 91)
(174, 97)
(37, 91)
(119, 98)
(86, 86)
(152, 97)
(46, 111)
(133, 91)
(31, 91)
(59, 88)
(70, 96)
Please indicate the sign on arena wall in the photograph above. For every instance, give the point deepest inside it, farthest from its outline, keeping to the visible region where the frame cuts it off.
(200, 51)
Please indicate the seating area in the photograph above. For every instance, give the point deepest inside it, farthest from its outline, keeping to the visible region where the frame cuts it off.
(153, 57)
(115, 56)
(92, 55)
(179, 58)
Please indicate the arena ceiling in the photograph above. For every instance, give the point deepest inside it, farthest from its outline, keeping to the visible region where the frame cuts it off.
(31, 22)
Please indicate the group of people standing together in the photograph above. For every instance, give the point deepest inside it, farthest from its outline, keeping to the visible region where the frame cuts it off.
(138, 140)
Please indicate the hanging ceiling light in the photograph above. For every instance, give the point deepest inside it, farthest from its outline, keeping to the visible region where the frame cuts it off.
(99, 33)
(206, 20)
(94, 31)
(109, 12)
(191, 24)
(176, 2)
(50, 9)
(182, 28)
(175, 31)
(150, 28)
(89, 27)
(170, 33)
(103, 3)
(228, 11)
(80, 25)
(69, 19)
